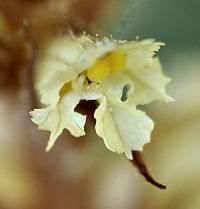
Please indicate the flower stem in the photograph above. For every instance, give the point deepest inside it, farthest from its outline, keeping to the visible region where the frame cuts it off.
(139, 163)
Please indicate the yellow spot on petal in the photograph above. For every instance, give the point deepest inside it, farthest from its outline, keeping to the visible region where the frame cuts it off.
(99, 71)
(107, 65)
(65, 89)
(117, 61)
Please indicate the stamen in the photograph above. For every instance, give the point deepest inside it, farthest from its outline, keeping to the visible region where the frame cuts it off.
(103, 67)
(99, 71)
(117, 60)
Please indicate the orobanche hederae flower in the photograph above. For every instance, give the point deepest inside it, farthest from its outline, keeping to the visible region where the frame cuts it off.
(118, 75)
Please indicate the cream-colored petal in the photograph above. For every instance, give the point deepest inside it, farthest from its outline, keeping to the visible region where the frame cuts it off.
(115, 87)
(50, 84)
(57, 118)
(62, 116)
(146, 72)
(145, 48)
(122, 128)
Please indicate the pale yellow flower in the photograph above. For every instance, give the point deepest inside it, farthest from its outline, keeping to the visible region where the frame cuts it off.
(119, 75)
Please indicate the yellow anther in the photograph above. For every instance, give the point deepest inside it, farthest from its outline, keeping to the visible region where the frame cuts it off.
(103, 67)
(65, 89)
(117, 60)
(99, 71)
